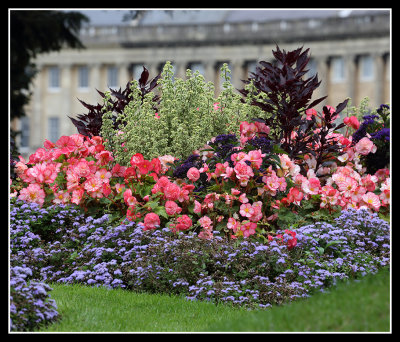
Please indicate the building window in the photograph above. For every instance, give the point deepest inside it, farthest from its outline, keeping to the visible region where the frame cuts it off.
(251, 67)
(366, 68)
(137, 70)
(195, 66)
(53, 129)
(54, 78)
(83, 77)
(312, 68)
(24, 131)
(338, 70)
(112, 77)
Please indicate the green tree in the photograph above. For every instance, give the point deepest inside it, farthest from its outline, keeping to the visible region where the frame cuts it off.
(33, 32)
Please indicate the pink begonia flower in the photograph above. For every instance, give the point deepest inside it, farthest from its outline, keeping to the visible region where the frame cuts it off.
(246, 210)
(262, 127)
(243, 173)
(271, 183)
(172, 208)
(197, 207)
(33, 193)
(144, 166)
(151, 220)
(257, 214)
(385, 197)
(371, 200)
(65, 144)
(165, 160)
(235, 192)
(129, 199)
(233, 224)
(248, 228)
(206, 234)
(82, 168)
(205, 222)
(310, 113)
(193, 174)
(119, 187)
(77, 195)
(48, 144)
(184, 222)
(365, 146)
(358, 193)
(104, 175)
(256, 158)
(351, 121)
(311, 186)
(104, 157)
(347, 186)
(45, 172)
(61, 197)
(93, 184)
(118, 170)
(369, 182)
(156, 115)
(295, 196)
(172, 191)
(216, 106)
(243, 198)
(136, 159)
(20, 167)
(329, 195)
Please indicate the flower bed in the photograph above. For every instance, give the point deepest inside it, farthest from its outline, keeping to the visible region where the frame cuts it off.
(281, 207)
(90, 251)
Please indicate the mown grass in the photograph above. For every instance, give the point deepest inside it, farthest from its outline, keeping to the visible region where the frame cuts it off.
(355, 306)
(91, 309)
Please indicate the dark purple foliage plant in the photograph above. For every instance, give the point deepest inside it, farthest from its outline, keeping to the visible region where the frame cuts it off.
(287, 94)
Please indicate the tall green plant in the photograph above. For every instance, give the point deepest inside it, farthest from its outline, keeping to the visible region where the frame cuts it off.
(188, 116)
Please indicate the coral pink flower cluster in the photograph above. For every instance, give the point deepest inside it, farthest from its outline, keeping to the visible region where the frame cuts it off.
(76, 169)
(79, 162)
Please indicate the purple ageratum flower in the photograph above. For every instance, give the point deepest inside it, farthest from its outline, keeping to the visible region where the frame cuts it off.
(30, 303)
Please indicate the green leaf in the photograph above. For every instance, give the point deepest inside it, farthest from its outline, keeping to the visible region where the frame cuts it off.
(335, 242)
(160, 211)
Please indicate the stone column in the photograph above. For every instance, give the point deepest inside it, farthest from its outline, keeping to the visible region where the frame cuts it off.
(237, 73)
(379, 79)
(37, 119)
(124, 75)
(180, 69)
(209, 71)
(351, 73)
(66, 127)
(323, 76)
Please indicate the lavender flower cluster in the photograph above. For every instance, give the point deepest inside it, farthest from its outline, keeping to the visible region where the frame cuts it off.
(94, 252)
(30, 302)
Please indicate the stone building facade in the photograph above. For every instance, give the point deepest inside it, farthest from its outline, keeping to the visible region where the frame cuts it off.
(350, 50)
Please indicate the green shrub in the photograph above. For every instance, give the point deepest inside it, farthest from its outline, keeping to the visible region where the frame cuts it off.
(187, 116)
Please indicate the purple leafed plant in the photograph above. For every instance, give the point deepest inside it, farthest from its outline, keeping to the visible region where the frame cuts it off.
(288, 95)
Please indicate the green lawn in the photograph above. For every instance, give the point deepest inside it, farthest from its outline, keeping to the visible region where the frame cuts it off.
(86, 309)
(362, 306)
(357, 306)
